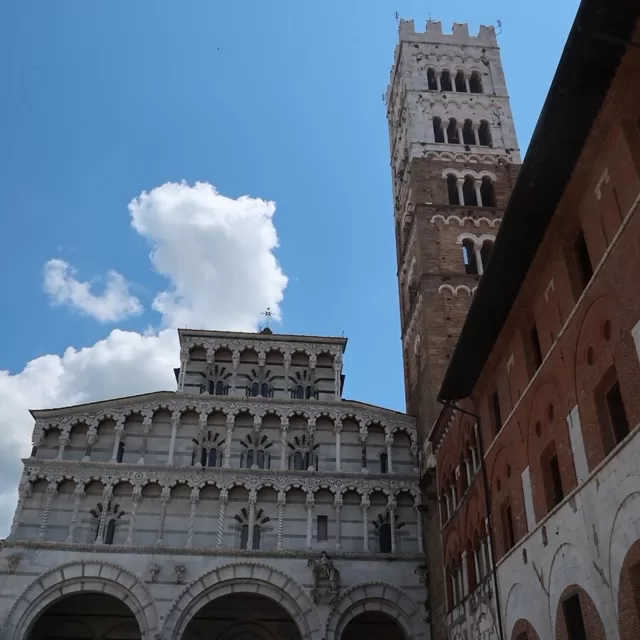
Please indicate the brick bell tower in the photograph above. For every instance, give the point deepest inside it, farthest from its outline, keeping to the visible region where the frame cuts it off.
(454, 161)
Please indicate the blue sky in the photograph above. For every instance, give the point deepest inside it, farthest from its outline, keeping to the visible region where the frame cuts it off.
(277, 100)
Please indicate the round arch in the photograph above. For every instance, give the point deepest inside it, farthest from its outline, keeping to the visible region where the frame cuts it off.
(243, 578)
(376, 597)
(78, 577)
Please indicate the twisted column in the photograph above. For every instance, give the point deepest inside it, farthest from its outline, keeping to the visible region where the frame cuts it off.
(310, 503)
(252, 517)
(477, 183)
(36, 440)
(284, 427)
(78, 493)
(175, 421)
(391, 508)
(337, 503)
(418, 525)
(203, 421)
(459, 184)
(337, 371)
(311, 426)
(388, 441)
(235, 362)
(136, 496)
(51, 491)
(363, 440)
(165, 498)
(92, 438)
(365, 504)
(147, 423)
(119, 430)
(24, 492)
(106, 503)
(194, 499)
(63, 441)
(227, 442)
(224, 498)
(282, 500)
(414, 454)
(287, 365)
(337, 428)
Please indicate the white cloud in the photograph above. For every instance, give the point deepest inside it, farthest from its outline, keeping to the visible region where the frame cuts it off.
(217, 255)
(116, 303)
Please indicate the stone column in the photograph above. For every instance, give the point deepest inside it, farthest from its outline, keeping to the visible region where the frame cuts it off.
(448, 504)
(165, 498)
(184, 359)
(78, 495)
(337, 427)
(311, 425)
(287, 365)
(337, 372)
(194, 499)
(24, 492)
(459, 183)
(467, 466)
(445, 133)
(476, 134)
(489, 553)
(175, 421)
(365, 504)
(337, 503)
(224, 497)
(388, 441)
(107, 494)
(391, 507)
(253, 498)
(465, 575)
(235, 362)
(284, 427)
(460, 126)
(92, 438)
(119, 431)
(363, 439)
(147, 422)
(476, 185)
(454, 498)
(136, 496)
(231, 419)
(310, 503)
(418, 526)
(50, 493)
(466, 82)
(282, 500)
(438, 80)
(63, 442)
(476, 565)
(414, 454)
(474, 459)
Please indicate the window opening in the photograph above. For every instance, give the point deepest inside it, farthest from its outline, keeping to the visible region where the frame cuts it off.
(485, 253)
(299, 392)
(260, 459)
(556, 480)
(111, 532)
(323, 528)
(617, 413)
(445, 81)
(249, 458)
(432, 83)
(203, 457)
(220, 388)
(475, 82)
(497, 414)
(385, 538)
(583, 260)
(244, 536)
(461, 84)
(468, 137)
(438, 133)
(507, 523)
(535, 348)
(573, 618)
(469, 192)
(213, 458)
(487, 192)
(469, 257)
(384, 463)
(452, 132)
(256, 536)
(452, 188)
(297, 461)
(120, 451)
(265, 391)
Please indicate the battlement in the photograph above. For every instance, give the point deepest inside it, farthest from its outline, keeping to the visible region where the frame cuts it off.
(433, 34)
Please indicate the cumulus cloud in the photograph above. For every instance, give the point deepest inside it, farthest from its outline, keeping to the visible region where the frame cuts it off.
(116, 303)
(217, 255)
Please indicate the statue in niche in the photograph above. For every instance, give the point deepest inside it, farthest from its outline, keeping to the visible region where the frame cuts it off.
(325, 575)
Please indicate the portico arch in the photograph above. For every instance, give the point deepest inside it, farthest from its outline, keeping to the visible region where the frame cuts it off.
(376, 597)
(81, 577)
(245, 578)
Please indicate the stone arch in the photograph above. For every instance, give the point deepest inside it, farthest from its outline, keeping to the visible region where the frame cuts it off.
(592, 618)
(628, 592)
(243, 578)
(379, 597)
(76, 577)
(521, 607)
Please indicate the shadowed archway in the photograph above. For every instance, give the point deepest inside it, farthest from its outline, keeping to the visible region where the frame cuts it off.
(373, 625)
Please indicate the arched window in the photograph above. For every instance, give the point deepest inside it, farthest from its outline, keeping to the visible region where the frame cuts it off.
(256, 536)
(461, 84)
(203, 457)
(468, 137)
(308, 392)
(111, 532)
(452, 189)
(487, 192)
(120, 452)
(484, 134)
(475, 82)
(385, 538)
(254, 390)
(299, 392)
(260, 459)
(297, 461)
(438, 133)
(265, 391)
(213, 458)
(452, 132)
(250, 458)
(445, 81)
(485, 253)
(469, 257)
(244, 536)
(384, 463)
(193, 457)
(432, 83)
(220, 389)
(469, 192)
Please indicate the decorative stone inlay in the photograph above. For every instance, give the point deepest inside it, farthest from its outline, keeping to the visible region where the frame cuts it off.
(13, 561)
(154, 571)
(180, 573)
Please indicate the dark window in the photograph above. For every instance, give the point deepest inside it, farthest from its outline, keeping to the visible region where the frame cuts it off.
(213, 458)
(484, 134)
(307, 457)
(244, 536)
(256, 536)
(203, 457)
(364, 456)
(535, 348)
(556, 480)
(254, 390)
(308, 392)
(438, 133)
(445, 81)
(299, 393)
(487, 193)
(468, 137)
(260, 459)
(193, 457)
(249, 458)
(111, 532)
(573, 619)
(475, 83)
(384, 460)
(385, 538)
(452, 189)
(469, 192)
(461, 85)
(431, 80)
(323, 528)
(34, 451)
(220, 389)
(485, 253)
(617, 413)
(265, 390)
(583, 260)
(297, 461)
(452, 132)
(495, 408)
(469, 257)
(507, 524)
(120, 452)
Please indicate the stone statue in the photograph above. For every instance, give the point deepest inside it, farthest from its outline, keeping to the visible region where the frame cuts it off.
(325, 572)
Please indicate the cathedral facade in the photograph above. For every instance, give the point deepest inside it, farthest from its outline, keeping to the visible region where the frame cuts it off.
(253, 502)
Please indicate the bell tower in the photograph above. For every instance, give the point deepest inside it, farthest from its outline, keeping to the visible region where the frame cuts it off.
(454, 161)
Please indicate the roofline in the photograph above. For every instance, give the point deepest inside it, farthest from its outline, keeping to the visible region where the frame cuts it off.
(579, 88)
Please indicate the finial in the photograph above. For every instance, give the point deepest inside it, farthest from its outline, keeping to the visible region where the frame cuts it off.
(268, 314)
